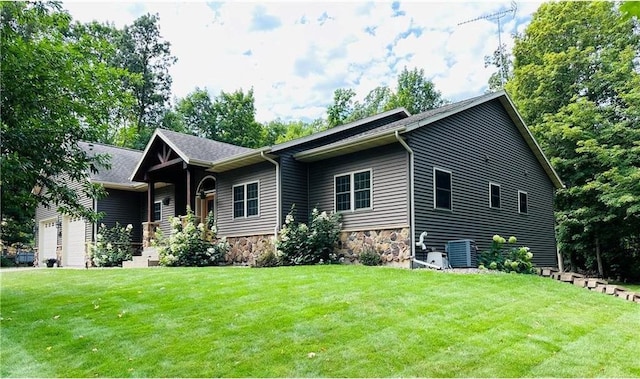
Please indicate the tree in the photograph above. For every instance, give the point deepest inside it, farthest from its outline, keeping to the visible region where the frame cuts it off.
(342, 107)
(53, 89)
(197, 114)
(235, 121)
(500, 59)
(415, 93)
(142, 51)
(577, 85)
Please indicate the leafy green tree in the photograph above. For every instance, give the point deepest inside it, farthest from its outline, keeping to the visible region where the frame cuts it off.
(577, 85)
(197, 114)
(502, 60)
(53, 89)
(415, 92)
(374, 103)
(142, 51)
(235, 120)
(342, 107)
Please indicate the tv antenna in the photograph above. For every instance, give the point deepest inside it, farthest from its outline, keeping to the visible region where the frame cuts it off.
(497, 16)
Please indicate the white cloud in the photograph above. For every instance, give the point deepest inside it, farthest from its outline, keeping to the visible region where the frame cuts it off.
(295, 54)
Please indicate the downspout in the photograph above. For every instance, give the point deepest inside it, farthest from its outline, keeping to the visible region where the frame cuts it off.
(412, 212)
(277, 227)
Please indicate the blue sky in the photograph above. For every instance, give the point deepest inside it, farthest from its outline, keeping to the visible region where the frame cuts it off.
(295, 54)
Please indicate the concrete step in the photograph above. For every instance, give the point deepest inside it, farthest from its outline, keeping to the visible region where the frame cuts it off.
(149, 258)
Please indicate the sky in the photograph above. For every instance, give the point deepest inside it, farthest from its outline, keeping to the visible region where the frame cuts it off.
(296, 54)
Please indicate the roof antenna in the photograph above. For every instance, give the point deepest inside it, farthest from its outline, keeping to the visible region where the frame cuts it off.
(497, 16)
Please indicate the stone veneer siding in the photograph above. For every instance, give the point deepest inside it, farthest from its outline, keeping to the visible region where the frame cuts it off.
(393, 245)
(245, 250)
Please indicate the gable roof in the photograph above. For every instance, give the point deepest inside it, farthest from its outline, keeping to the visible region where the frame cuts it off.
(122, 161)
(193, 150)
(389, 133)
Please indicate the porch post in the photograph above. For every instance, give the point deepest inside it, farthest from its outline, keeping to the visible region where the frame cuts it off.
(150, 200)
(149, 227)
(189, 189)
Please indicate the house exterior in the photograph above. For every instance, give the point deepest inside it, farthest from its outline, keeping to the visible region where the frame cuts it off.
(464, 171)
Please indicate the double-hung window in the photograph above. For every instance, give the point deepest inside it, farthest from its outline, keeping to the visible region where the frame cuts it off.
(523, 202)
(494, 195)
(157, 211)
(353, 191)
(442, 189)
(245, 200)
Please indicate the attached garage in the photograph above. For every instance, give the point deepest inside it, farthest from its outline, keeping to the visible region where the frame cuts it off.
(73, 242)
(48, 239)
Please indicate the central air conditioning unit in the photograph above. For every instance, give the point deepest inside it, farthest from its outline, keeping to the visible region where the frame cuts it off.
(462, 253)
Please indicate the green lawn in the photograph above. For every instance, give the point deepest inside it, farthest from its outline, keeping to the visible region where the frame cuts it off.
(329, 321)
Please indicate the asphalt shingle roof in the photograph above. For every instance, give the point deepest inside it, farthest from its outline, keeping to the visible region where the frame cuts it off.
(122, 160)
(201, 149)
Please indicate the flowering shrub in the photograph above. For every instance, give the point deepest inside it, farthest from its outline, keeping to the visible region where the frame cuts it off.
(299, 244)
(113, 245)
(188, 244)
(513, 259)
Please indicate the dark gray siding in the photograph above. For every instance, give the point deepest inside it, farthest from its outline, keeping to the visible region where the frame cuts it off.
(123, 207)
(479, 146)
(390, 194)
(294, 175)
(265, 222)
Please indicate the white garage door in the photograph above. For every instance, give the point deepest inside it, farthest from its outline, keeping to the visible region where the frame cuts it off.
(49, 240)
(73, 243)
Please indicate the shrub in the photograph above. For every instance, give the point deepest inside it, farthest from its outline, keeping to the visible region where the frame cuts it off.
(370, 257)
(188, 244)
(267, 259)
(112, 247)
(513, 259)
(299, 244)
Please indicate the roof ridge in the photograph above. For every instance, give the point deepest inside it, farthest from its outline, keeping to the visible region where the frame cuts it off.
(112, 146)
(161, 130)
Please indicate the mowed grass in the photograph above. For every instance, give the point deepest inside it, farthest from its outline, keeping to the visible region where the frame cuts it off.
(321, 321)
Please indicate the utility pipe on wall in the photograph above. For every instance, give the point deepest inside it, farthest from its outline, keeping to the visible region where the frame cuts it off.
(277, 227)
(411, 195)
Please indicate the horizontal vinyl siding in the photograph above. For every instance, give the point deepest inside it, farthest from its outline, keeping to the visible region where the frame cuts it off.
(265, 222)
(294, 174)
(123, 207)
(389, 173)
(479, 146)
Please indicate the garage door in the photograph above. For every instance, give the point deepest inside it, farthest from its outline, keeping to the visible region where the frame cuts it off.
(49, 240)
(73, 243)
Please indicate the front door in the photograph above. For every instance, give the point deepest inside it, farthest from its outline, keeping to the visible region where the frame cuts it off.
(207, 209)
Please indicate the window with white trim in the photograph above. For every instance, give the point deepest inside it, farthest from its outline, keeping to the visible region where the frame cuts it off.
(442, 189)
(245, 200)
(494, 195)
(523, 202)
(157, 211)
(352, 191)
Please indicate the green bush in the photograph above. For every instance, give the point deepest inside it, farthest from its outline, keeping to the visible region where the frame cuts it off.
(370, 257)
(267, 259)
(188, 244)
(299, 244)
(112, 247)
(7, 262)
(512, 259)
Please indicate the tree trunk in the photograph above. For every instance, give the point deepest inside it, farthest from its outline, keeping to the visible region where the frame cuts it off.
(599, 259)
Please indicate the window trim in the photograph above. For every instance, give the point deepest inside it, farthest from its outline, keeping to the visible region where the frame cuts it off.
(245, 199)
(527, 200)
(154, 210)
(450, 191)
(352, 191)
(491, 184)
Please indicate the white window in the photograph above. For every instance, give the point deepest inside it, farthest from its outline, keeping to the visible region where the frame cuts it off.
(442, 189)
(494, 195)
(245, 200)
(352, 191)
(523, 202)
(157, 211)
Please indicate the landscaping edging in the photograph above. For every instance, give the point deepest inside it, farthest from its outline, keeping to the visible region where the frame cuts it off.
(593, 284)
